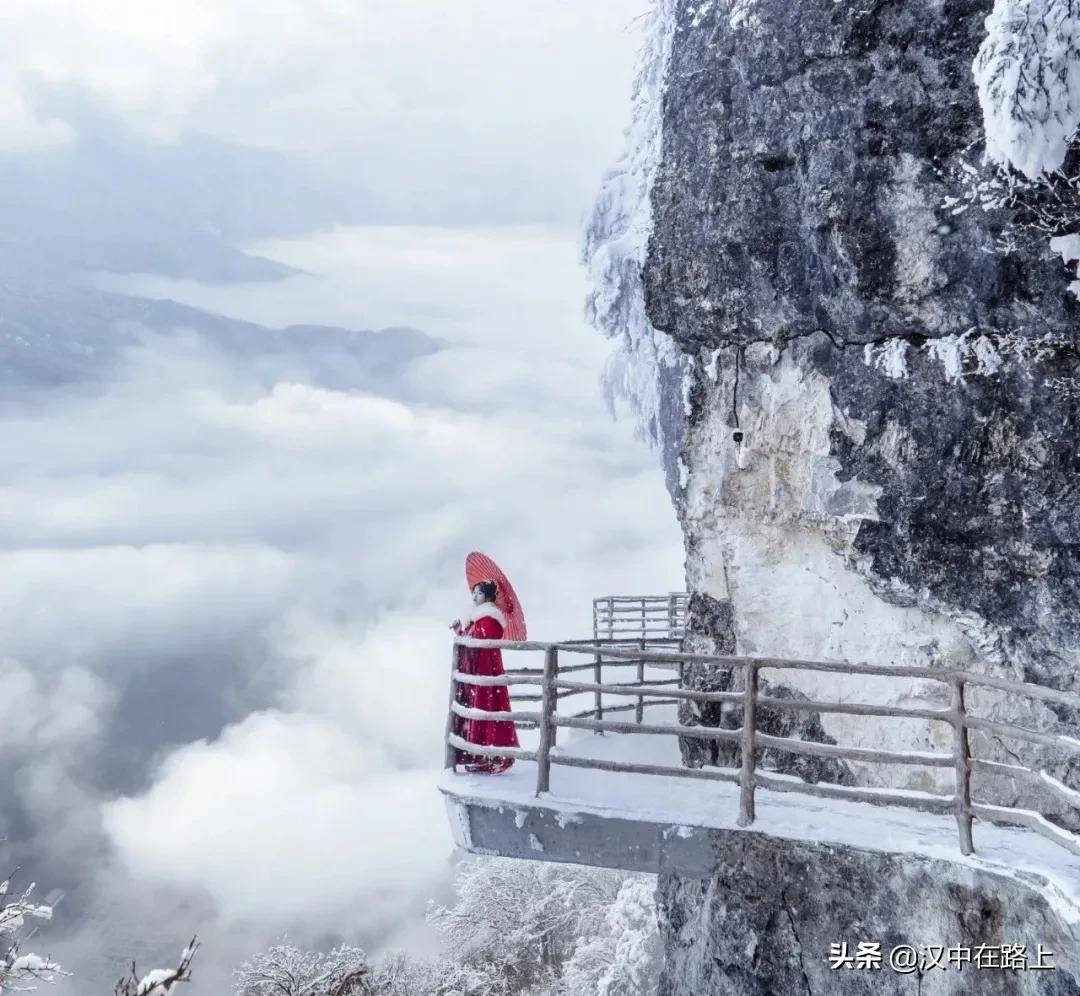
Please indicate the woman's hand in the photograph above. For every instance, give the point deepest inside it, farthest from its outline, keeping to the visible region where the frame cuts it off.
(456, 626)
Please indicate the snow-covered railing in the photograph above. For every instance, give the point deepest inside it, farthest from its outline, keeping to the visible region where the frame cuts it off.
(555, 685)
(640, 616)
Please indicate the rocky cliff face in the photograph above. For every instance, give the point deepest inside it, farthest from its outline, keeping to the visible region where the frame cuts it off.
(873, 451)
(764, 924)
(877, 447)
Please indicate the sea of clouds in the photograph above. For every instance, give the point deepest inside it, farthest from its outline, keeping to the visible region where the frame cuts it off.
(225, 592)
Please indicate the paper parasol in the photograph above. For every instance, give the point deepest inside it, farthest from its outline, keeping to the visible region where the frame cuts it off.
(479, 567)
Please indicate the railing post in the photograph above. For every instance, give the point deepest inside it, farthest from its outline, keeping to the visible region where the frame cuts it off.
(746, 779)
(671, 615)
(963, 767)
(639, 709)
(611, 618)
(450, 759)
(598, 674)
(547, 721)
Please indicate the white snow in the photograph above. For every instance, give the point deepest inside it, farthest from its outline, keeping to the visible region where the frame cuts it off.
(949, 352)
(699, 13)
(1028, 75)
(155, 980)
(687, 387)
(32, 963)
(713, 366)
(1068, 246)
(1014, 852)
(966, 354)
(743, 14)
(889, 357)
(1071, 794)
(460, 827)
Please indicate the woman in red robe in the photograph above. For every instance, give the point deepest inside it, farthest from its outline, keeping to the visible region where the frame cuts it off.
(485, 622)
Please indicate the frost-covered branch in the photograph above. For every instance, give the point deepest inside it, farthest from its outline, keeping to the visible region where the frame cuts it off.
(160, 981)
(21, 972)
(1036, 210)
(286, 970)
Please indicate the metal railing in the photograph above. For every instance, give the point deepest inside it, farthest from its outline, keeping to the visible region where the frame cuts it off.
(554, 686)
(640, 616)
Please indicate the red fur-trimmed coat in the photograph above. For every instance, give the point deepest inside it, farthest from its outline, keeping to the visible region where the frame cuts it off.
(485, 622)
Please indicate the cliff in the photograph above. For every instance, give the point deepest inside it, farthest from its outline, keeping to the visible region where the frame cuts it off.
(855, 341)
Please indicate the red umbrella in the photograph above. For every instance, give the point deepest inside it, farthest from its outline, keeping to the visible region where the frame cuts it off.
(480, 567)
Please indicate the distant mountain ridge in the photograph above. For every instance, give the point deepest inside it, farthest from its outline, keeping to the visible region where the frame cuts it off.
(78, 334)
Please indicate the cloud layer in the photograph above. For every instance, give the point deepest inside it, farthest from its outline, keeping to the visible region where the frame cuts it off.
(483, 109)
(232, 586)
(226, 564)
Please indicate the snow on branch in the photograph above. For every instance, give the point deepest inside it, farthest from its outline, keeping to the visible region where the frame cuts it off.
(21, 972)
(1033, 210)
(286, 970)
(516, 927)
(1028, 74)
(160, 981)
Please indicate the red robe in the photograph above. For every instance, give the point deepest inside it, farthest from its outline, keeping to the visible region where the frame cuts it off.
(493, 698)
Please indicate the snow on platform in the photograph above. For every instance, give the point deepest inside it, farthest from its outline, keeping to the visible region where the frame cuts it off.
(640, 820)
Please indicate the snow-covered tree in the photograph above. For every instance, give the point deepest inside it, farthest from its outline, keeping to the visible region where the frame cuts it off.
(1028, 74)
(524, 917)
(517, 928)
(159, 981)
(22, 970)
(402, 975)
(624, 958)
(286, 970)
(646, 361)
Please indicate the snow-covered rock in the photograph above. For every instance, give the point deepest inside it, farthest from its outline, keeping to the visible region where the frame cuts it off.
(877, 457)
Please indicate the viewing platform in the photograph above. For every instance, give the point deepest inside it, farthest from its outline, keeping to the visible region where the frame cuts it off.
(606, 785)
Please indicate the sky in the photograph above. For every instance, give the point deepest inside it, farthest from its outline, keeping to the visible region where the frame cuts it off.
(477, 111)
(226, 574)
